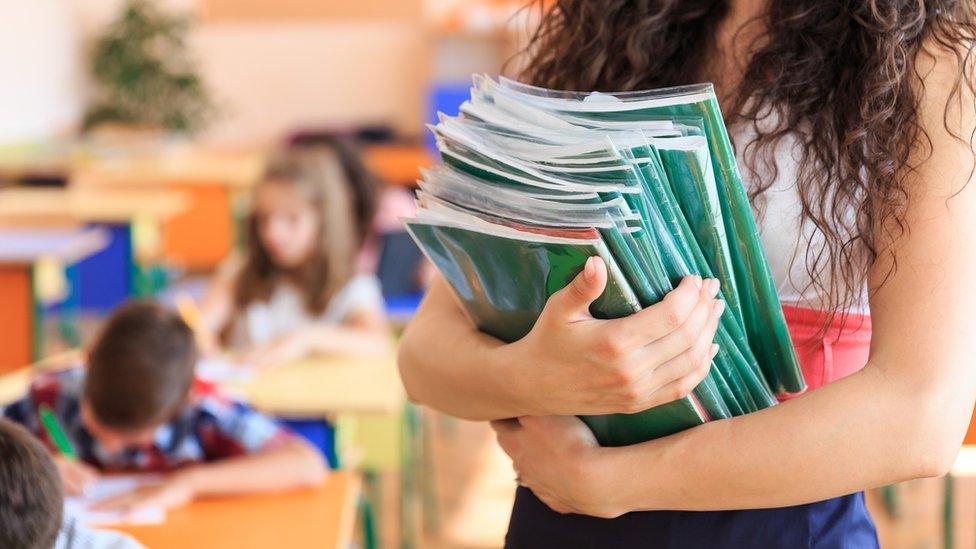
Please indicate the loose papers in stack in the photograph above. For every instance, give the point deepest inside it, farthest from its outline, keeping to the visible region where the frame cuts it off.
(535, 181)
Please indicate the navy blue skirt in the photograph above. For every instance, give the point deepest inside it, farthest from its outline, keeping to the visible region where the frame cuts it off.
(836, 523)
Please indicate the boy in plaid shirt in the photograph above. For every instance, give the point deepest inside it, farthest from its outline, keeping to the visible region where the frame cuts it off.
(137, 407)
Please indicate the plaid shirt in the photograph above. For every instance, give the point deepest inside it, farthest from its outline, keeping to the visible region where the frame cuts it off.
(213, 427)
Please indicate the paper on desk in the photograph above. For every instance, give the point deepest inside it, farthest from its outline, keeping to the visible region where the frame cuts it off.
(223, 370)
(105, 487)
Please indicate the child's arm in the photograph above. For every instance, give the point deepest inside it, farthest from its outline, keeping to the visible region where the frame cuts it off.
(217, 305)
(363, 332)
(291, 464)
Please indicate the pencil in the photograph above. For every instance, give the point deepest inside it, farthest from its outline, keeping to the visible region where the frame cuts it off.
(57, 434)
(194, 319)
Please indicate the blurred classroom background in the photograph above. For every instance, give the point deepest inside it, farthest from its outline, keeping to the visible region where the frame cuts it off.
(130, 134)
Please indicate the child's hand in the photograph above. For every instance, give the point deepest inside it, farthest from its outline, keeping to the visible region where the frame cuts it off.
(281, 350)
(174, 490)
(75, 475)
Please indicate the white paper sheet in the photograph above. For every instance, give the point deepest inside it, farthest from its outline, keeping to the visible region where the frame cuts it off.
(222, 370)
(105, 487)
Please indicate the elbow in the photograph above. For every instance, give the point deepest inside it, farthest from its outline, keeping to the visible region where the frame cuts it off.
(932, 449)
(935, 460)
(407, 366)
(312, 470)
(940, 456)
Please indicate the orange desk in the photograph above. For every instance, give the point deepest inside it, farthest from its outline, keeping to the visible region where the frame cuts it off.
(321, 517)
(398, 165)
(20, 251)
(203, 235)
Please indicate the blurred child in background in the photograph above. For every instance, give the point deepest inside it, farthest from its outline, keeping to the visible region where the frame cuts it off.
(32, 512)
(137, 407)
(295, 290)
(30, 492)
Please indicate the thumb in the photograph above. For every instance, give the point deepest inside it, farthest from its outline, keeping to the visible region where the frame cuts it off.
(573, 301)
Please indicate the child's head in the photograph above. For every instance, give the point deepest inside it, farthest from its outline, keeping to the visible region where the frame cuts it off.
(305, 223)
(139, 376)
(31, 497)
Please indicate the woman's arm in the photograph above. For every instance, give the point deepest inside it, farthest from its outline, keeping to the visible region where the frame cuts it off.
(902, 417)
(569, 362)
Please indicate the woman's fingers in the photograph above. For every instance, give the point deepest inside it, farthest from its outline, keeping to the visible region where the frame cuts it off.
(660, 319)
(689, 332)
(677, 377)
(683, 386)
(506, 431)
(573, 302)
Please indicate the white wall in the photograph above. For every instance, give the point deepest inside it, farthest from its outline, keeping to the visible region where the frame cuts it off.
(41, 91)
(269, 77)
(272, 78)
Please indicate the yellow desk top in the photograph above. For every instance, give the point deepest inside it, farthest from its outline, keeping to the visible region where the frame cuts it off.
(317, 517)
(13, 385)
(308, 388)
(320, 386)
(191, 166)
(21, 206)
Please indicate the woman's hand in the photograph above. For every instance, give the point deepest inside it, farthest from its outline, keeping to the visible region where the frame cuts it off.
(575, 364)
(558, 459)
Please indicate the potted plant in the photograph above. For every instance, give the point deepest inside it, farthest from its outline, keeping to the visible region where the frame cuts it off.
(146, 81)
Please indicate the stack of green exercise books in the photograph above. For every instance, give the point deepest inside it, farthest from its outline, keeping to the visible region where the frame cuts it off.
(534, 181)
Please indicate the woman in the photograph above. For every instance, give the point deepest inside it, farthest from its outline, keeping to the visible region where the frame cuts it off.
(854, 126)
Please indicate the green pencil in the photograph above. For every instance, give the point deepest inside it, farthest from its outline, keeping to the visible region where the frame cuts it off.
(57, 434)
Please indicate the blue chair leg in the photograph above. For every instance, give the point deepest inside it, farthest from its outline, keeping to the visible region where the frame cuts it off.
(320, 433)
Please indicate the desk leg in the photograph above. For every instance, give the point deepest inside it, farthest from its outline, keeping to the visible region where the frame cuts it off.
(16, 317)
(428, 485)
(68, 310)
(37, 321)
(948, 522)
(891, 500)
(412, 448)
(367, 509)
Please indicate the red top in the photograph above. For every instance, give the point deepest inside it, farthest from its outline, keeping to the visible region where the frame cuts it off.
(837, 352)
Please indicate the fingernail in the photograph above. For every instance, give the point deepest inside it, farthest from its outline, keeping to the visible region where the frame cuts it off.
(718, 308)
(714, 286)
(697, 281)
(589, 270)
(713, 351)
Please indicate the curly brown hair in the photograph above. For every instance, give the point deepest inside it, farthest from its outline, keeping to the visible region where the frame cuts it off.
(843, 77)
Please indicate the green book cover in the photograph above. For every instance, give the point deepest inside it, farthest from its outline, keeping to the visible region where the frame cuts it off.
(503, 282)
(764, 322)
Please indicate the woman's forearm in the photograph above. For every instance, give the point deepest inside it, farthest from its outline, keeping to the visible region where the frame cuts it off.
(449, 365)
(866, 430)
